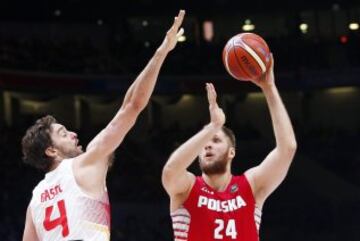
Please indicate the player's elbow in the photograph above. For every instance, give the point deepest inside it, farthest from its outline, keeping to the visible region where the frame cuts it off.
(289, 149)
(167, 172)
(136, 105)
(166, 175)
(292, 146)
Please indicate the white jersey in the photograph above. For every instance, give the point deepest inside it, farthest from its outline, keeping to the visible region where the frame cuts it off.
(62, 212)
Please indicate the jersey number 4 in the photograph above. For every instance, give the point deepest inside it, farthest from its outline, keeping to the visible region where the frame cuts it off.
(230, 229)
(61, 220)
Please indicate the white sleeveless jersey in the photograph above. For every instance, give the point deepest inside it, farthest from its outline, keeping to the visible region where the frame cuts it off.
(62, 212)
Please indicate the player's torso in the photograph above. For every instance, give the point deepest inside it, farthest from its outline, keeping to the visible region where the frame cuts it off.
(208, 215)
(62, 212)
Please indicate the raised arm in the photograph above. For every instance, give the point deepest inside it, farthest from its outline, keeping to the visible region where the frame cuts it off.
(266, 177)
(94, 162)
(137, 96)
(175, 177)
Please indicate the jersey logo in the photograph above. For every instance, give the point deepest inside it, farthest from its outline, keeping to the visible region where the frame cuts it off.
(221, 205)
(204, 189)
(234, 188)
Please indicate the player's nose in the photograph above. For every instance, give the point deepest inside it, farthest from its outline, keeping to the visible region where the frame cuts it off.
(208, 146)
(73, 135)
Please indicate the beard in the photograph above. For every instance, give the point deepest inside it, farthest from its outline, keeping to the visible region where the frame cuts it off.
(70, 153)
(217, 167)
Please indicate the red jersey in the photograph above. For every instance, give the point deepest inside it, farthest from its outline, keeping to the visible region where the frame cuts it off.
(208, 215)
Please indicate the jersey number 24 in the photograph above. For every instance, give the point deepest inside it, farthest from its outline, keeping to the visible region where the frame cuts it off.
(229, 228)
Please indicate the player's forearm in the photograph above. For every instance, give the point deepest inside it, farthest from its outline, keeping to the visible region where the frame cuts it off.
(183, 157)
(140, 91)
(283, 130)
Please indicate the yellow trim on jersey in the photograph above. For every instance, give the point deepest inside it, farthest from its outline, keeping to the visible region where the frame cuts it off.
(98, 227)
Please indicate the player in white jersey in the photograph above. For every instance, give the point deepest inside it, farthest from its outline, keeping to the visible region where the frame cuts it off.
(71, 202)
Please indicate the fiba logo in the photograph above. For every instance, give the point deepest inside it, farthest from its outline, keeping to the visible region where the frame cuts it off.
(234, 188)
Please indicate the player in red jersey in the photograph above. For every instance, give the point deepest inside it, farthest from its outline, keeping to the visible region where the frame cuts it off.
(218, 205)
(71, 202)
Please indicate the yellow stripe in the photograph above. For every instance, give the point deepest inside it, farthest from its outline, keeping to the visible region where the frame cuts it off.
(98, 227)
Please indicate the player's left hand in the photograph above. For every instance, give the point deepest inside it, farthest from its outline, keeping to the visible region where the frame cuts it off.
(267, 79)
(174, 33)
(217, 116)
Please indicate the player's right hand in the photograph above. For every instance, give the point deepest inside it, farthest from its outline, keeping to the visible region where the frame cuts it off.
(267, 79)
(217, 116)
(174, 33)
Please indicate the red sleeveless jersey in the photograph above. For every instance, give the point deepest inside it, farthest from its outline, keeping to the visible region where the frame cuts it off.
(208, 215)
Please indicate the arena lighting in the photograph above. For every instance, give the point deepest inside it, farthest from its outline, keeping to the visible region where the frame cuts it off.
(303, 27)
(186, 98)
(255, 96)
(353, 26)
(248, 26)
(343, 39)
(57, 12)
(145, 23)
(208, 30)
(100, 22)
(342, 90)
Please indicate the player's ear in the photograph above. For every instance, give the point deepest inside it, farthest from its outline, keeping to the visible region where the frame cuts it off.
(232, 152)
(51, 152)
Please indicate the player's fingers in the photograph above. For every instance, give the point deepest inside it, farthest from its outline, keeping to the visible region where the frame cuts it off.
(210, 94)
(207, 91)
(179, 19)
(180, 33)
(213, 87)
(272, 61)
(213, 95)
(213, 91)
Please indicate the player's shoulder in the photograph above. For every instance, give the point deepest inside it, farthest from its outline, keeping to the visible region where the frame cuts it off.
(241, 178)
(63, 169)
(66, 164)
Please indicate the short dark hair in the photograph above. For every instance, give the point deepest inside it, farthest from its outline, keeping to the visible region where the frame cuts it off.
(230, 134)
(36, 140)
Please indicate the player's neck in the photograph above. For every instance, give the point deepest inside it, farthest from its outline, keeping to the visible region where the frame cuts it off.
(55, 164)
(218, 182)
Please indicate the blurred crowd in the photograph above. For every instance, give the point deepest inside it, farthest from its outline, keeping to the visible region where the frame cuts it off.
(189, 58)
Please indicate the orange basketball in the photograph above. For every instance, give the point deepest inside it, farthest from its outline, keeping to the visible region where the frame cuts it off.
(246, 56)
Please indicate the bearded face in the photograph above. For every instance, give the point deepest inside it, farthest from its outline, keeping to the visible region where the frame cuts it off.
(214, 166)
(65, 143)
(215, 157)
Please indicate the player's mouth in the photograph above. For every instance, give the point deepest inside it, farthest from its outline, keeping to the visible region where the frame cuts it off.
(77, 144)
(209, 154)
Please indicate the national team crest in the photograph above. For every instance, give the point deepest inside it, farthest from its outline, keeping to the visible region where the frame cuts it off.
(234, 188)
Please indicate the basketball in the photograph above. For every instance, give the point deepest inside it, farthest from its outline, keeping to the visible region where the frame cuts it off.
(246, 56)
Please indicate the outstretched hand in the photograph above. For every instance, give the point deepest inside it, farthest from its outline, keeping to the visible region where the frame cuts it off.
(267, 79)
(217, 115)
(174, 33)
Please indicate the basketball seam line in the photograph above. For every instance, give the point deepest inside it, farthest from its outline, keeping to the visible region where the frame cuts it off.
(227, 63)
(237, 60)
(255, 56)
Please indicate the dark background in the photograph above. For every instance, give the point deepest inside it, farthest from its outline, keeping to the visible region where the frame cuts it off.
(75, 59)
